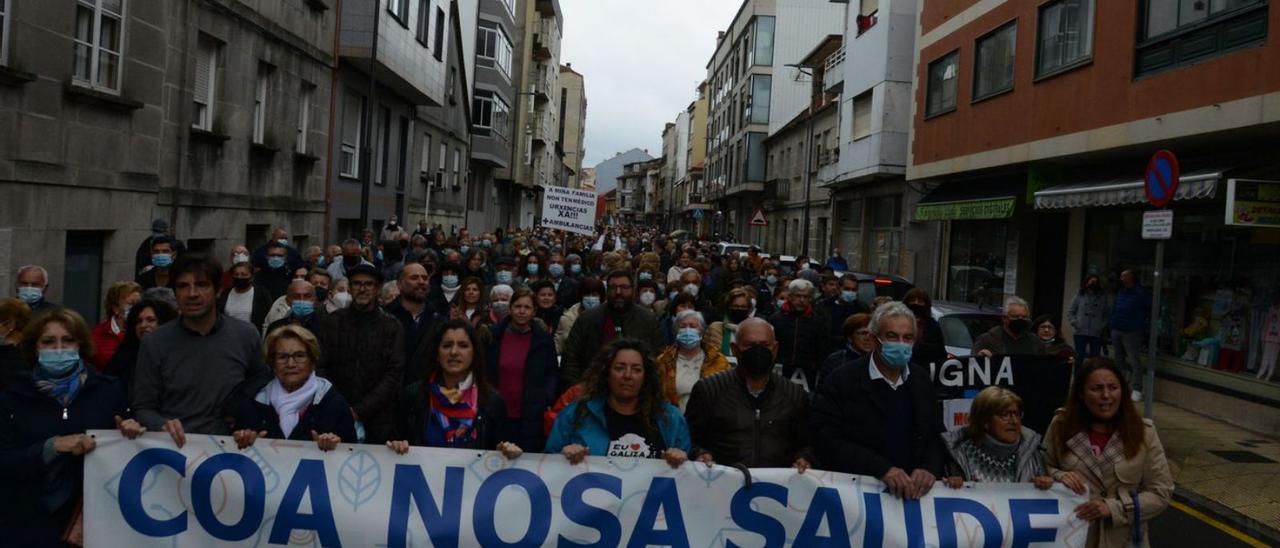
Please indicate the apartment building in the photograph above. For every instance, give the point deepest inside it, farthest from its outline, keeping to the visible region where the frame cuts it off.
(118, 112)
(537, 161)
(753, 92)
(493, 133)
(1036, 123)
(443, 192)
(573, 123)
(392, 59)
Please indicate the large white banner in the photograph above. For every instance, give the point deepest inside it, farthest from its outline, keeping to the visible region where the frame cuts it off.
(569, 210)
(146, 492)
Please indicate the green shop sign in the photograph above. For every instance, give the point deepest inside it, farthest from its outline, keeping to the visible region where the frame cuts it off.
(999, 208)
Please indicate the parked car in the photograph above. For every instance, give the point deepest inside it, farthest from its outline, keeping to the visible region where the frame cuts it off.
(725, 248)
(872, 285)
(962, 323)
(787, 264)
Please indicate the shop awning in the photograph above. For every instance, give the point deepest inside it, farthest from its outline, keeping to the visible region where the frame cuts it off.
(970, 201)
(1123, 192)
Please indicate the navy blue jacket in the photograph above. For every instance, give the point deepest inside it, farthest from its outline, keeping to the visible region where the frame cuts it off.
(328, 413)
(1132, 309)
(541, 379)
(39, 498)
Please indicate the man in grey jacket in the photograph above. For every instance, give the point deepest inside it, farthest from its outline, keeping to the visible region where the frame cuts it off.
(1088, 317)
(190, 369)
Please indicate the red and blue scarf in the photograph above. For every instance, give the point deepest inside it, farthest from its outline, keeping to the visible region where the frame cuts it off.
(452, 415)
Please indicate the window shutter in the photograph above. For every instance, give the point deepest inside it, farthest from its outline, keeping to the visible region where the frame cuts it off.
(204, 65)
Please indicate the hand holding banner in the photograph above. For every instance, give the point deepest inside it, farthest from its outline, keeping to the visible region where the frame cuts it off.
(146, 492)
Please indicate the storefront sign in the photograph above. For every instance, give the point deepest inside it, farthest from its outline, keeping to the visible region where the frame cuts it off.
(1252, 202)
(999, 208)
(147, 492)
(1157, 225)
(1041, 381)
(569, 210)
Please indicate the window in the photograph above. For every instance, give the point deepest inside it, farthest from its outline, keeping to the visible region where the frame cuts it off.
(764, 42)
(305, 98)
(439, 35)
(489, 114)
(1182, 32)
(493, 48)
(399, 9)
(352, 120)
(758, 106)
(457, 168)
(205, 83)
(402, 158)
(755, 156)
(260, 104)
(885, 216)
(4, 32)
(425, 170)
(99, 37)
(383, 145)
(861, 116)
(442, 167)
(424, 22)
(1164, 16)
(993, 62)
(940, 95)
(1066, 35)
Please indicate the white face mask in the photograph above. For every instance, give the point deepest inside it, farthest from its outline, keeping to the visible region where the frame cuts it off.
(647, 298)
(342, 299)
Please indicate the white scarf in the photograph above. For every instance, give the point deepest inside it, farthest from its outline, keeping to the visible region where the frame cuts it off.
(290, 405)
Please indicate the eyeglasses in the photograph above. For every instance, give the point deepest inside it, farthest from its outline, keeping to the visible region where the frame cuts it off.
(363, 283)
(296, 357)
(1011, 415)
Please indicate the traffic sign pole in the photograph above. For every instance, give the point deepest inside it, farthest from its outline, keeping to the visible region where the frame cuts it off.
(1149, 383)
(1161, 184)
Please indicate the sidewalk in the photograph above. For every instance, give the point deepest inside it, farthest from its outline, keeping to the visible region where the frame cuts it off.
(1223, 471)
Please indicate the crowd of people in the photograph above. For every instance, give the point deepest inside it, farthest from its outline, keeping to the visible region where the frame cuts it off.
(624, 344)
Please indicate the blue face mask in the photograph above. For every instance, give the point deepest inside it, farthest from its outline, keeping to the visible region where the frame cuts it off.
(464, 249)
(320, 261)
(896, 354)
(30, 295)
(58, 362)
(161, 260)
(646, 275)
(302, 309)
(486, 243)
(275, 262)
(848, 296)
(449, 280)
(773, 280)
(590, 302)
(575, 268)
(532, 269)
(503, 277)
(688, 338)
(556, 269)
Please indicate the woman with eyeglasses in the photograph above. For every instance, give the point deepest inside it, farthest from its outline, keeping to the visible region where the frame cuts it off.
(859, 343)
(297, 404)
(995, 446)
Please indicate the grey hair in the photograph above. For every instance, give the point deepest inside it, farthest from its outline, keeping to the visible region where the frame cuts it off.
(388, 287)
(44, 274)
(1016, 301)
(890, 310)
(501, 288)
(681, 315)
(801, 285)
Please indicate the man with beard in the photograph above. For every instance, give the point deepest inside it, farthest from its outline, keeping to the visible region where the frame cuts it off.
(750, 415)
(602, 324)
(416, 316)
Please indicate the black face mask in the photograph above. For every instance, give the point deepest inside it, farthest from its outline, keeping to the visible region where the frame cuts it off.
(919, 310)
(738, 316)
(756, 361)
(1019, 326)
(241, 283)
(322, 293)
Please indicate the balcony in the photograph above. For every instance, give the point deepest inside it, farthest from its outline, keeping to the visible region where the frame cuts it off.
(833, 72)
(549, 8)
(744, 188)
(544, 39)
(542, 90)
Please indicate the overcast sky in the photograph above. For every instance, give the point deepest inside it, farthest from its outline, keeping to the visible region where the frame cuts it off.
(642, 62)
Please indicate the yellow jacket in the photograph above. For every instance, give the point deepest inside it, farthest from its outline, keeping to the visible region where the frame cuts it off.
(713, 362)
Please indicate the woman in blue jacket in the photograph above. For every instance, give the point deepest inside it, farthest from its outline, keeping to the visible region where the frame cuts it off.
(621, 412)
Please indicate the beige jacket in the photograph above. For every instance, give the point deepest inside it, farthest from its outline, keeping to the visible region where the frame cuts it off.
(1114, 478)
(566, 324)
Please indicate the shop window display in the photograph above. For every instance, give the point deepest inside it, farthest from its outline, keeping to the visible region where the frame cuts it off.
(1220, 306)
(977, 262)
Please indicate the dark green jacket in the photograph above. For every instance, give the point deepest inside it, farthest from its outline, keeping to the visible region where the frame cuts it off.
(587, 338)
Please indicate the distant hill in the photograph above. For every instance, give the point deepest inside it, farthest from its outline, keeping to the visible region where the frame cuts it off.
(607, 172)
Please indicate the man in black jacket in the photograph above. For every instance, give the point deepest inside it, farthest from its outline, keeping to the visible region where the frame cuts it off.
(802, 332)
(416, 316)
(597, 326)
(362, 354)
(750, 415)
(878, 416)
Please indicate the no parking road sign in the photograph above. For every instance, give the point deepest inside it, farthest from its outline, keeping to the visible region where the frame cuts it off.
(1162, 178)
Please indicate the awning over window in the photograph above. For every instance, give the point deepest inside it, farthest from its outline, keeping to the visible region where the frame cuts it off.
(971, 201)
(1123, 192)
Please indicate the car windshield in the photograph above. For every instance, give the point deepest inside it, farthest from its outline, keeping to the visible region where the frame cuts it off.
(960, 330)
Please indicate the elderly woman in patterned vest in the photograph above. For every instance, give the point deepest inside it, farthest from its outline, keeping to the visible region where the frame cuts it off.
(995, 446)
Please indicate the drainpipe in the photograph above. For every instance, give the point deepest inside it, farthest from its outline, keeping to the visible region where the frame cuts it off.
(366, 177)
(334, 86)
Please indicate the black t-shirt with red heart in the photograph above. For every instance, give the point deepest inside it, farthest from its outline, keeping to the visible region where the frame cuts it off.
(627, 438)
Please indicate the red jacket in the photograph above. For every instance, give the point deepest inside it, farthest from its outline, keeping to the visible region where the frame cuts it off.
(105, 344)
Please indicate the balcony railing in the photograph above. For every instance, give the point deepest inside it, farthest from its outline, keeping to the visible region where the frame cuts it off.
(833, 73)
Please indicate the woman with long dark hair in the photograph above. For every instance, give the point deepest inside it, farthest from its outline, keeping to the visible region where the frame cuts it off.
(1101, 442)
(454, 406)
(622, 411)
(143, 318)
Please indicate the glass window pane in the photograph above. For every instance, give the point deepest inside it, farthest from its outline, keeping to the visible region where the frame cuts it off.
(1162, 16)
(108, 67)
(1191, 11)
(764, 41)
(110, 34)
(761, 87)
(993, 71)
(942, 84)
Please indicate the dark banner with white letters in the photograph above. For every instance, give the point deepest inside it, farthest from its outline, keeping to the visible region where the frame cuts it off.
(1041, 381)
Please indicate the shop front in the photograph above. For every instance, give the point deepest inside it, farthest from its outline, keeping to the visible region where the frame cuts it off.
(1218, 323)
(978, 225)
